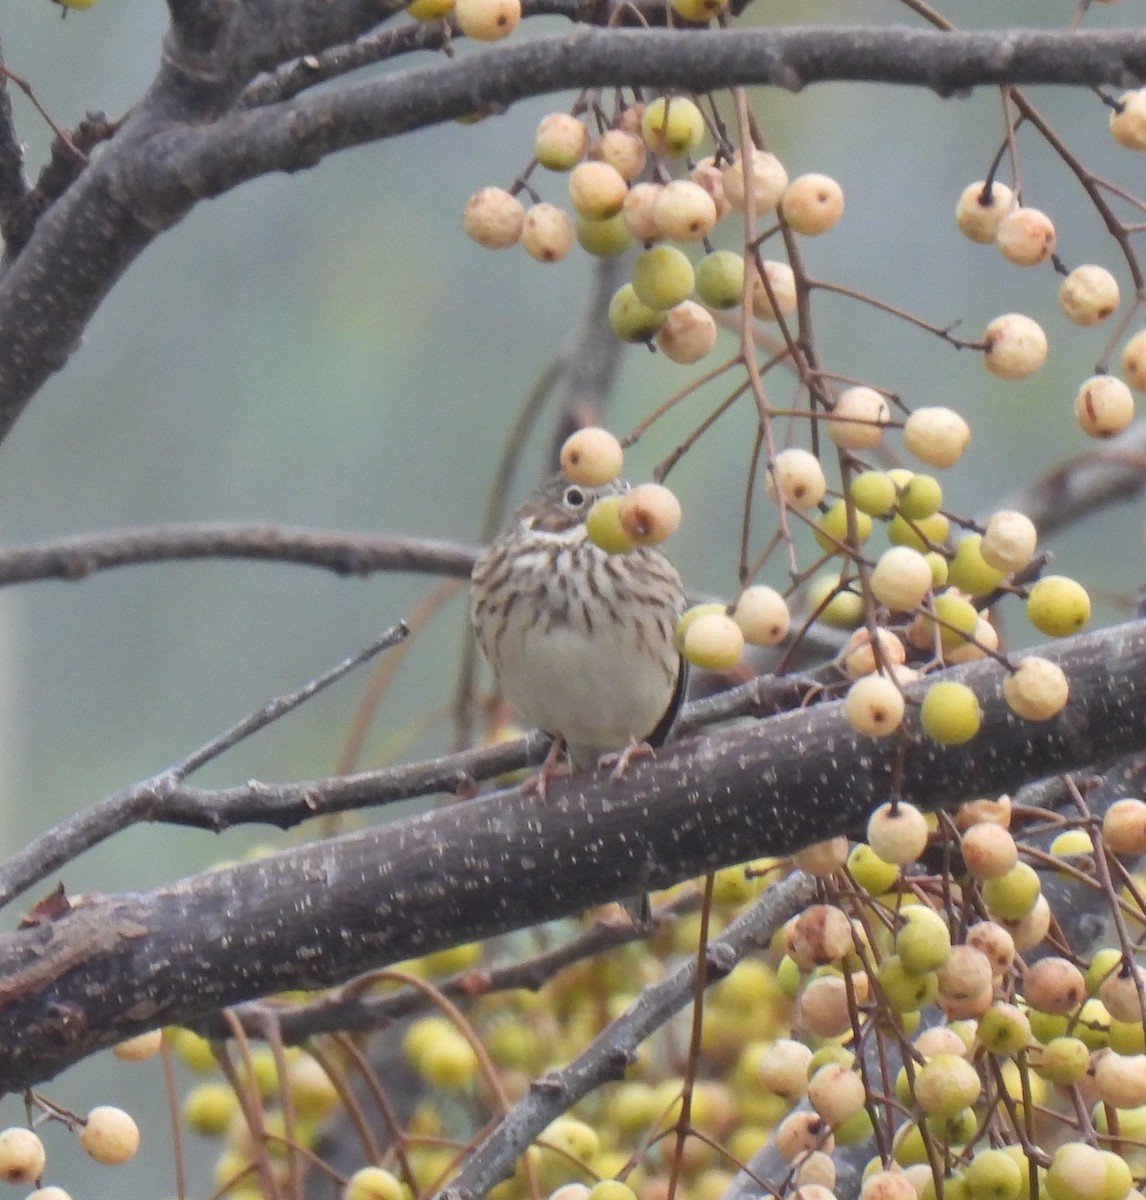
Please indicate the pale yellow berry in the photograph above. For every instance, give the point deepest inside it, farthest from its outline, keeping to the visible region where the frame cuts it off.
(782, 283)
(874, 706)
(591, 457)
(638, 209)
(430, 10)
(560, 142)
(597, 190)
(688, 333)
(1009, 540)
(139, 1048)
(800, 478)
(487, 20)
(672, 125)
(684, 211)
(1037, 689)
(823, 858)
(1089, 294)
(950, 713)
(708, 175)
(1128, 122)
(1014, 346)
(989, 851)
(649, 514)
(766, 178)
(1104, 406)
(547, 232)
(1058, 606)
(978, 212)
(373, 1183)
(858, 418)
(860, 657)
(21, 1155)
(622, 150)
(663, 276)
(937, 436)
(109, 1135)
(763, 616)
(713, 642)
(1120, 1080)
(1026, 236)
(901, 578)
(1134, 361)
(812, 204)
(897, 833)
(493, 218)
(698, 11)
(603, 526)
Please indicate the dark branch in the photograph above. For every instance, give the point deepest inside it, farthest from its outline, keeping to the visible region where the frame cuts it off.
(319, 914)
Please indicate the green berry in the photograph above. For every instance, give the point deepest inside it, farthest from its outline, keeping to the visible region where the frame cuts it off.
(1058, 606)
(720, 279)
(950, 713)
(631, 320)
(663, 276)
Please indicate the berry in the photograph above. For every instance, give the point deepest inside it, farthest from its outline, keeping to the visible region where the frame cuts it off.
(945, 1085)
(970, 571)
(1124, 826)
(1128, 121)
(1089, 294)
(1012, 896)
(597, 190)
(603, 239)
(1026, 236)
(139, 1048)
(832, 527)
(858, 418)
(950, 713)
(698, 11)
(672, 125)
(603, 526)
(860, 656)
(812, 204)
(591, 457)
(988, 851)
(720, 279)
(1058, 606)
(713, 641)
(493, 218)
(923, 942)
(1104, 406)
(1014, 346)
(1037, 689)
(1077, 1172)
(708, 176)
(1134, 361)
(782, 300)
(663, 276)
(897, 833)
(373, 1183)
(901, 578)
(691, 614)
(560, 142)
(979, 210)
(920, 534)
(487, 20)
(547, 233)
(874, 706)
(649, 514)
(799, 476)
(937, 436)
(109, 1135)
(688, 333)
(766, 178)
(631, 320)
(1009, 540)
(638, 208)
(623, 151)
(762, 614)
(873, 492)
(684, 211)
(920, 497)
(21, 1155)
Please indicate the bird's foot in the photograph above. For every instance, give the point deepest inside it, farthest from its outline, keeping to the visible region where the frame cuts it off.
(538, 784)
(617, 762)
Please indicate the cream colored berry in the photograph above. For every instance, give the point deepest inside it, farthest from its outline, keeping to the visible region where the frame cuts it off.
(1089, 294)
(597, 190)
(1026, 236)
(874, 706)
(591, 457)
(782, 300)
(714, 642)
(1104, 406)
(800, 478)
(560, 142)
(21, 1155)
(766, 179)
(1128, 122)
(373, 1183)
(937, 436)
(812, 204)
(650, 514)
(547, 233)
(1036, 689)
(708, 175)
(1015, 346)
(1134, 361)
(1124, 826)
(109, 1135)
(897, 833)
(989, 851)
(860, 657)
(493, 218)
(763, 616)
(858, 419)
(622, 150)
(638, 209)
(901, 578)
(672, 125)
(139, 1048)
(684, 211)
(1120, 1080)
(1009, 540)
(487, 20)
(688, 333)
(979, 211)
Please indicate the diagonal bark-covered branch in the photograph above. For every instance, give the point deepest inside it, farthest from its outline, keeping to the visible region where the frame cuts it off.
(115, 965)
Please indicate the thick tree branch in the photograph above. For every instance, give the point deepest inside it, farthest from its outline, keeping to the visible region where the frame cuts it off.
(319, 914)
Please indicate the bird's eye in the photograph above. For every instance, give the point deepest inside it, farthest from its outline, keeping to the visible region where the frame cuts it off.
(574, 497)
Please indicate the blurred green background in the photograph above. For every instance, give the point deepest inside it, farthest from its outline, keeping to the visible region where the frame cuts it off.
(328, 349)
